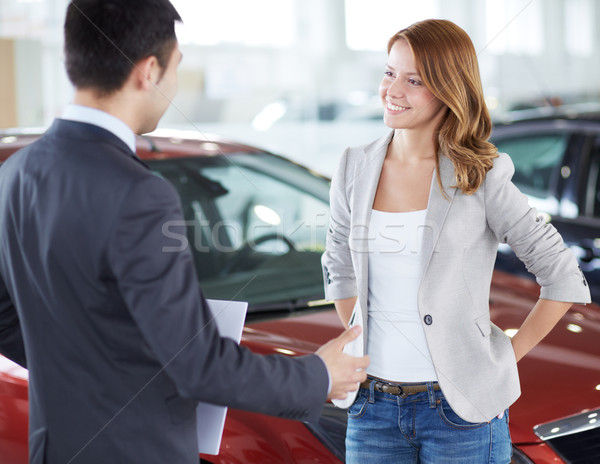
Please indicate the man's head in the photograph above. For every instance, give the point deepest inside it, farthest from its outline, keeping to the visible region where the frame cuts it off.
(105, 39)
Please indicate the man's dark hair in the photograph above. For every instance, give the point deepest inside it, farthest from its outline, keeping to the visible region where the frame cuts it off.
(104, 39)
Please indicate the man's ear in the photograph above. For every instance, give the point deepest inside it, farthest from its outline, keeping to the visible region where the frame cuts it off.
(147, 73)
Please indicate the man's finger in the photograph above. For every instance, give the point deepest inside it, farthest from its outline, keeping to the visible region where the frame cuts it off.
(349, 334)
(361, 362)
(358, 363)
(360, 376)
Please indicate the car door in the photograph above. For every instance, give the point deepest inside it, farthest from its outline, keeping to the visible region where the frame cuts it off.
(582, 234)
(557, 165)
(538, 151)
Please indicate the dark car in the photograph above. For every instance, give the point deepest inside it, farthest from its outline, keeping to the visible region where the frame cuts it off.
(556, 152)
(256, 226)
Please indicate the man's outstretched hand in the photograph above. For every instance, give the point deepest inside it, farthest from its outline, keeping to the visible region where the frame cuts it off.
(346, 372)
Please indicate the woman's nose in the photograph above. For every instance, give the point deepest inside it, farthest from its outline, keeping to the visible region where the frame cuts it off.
(395, 89)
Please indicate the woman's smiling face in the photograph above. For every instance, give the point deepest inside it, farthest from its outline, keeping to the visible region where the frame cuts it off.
(407, 102)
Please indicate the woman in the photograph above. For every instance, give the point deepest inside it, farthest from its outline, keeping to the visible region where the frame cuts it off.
(416, 218)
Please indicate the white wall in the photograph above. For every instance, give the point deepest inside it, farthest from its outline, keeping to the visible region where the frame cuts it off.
(224, 87)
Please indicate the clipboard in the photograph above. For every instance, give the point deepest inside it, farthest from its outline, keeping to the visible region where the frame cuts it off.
(210, 418)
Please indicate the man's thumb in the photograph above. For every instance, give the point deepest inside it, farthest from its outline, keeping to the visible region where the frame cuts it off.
(350, 334)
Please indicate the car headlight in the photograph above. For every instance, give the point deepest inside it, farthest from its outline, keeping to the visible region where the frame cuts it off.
(574, 438)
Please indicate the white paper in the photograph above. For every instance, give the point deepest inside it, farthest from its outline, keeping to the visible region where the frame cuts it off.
(230, 317)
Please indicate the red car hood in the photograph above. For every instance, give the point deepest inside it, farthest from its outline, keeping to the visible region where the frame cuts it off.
(559, 378)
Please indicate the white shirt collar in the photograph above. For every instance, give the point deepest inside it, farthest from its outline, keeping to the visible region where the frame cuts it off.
(101, 119)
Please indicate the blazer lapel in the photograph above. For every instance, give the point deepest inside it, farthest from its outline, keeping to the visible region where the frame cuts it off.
(437, 208)
(365, 179)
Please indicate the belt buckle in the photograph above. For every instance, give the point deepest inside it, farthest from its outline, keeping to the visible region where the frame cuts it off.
(401, 393)
(386, 387)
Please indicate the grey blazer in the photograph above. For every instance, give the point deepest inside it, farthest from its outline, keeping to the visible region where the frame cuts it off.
(473, 358)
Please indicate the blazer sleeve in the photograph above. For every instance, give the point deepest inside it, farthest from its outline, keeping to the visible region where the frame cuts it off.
(11, 337)
(338, 270)
(155, 272)
(536, 243)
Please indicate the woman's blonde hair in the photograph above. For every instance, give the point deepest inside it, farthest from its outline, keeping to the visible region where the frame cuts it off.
(447, 63)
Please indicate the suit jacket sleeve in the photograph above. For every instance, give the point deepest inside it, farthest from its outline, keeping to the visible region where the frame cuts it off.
(154, 268)
(536, 243)
(338, 270)
(11, 337)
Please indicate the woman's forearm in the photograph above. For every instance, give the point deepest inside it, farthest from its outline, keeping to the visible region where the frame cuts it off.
(544, 316)
(344, 309)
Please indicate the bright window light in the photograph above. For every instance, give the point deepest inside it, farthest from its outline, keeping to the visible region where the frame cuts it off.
(514, 26)
(259, 23)
(269, 115)
(579, 27)
(267, 215)
(32, 19)
(369, 25)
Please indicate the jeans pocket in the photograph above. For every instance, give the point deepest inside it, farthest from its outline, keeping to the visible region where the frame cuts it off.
(454, 420)
(359, 407)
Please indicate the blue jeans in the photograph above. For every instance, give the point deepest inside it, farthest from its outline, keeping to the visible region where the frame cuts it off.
(421, 428)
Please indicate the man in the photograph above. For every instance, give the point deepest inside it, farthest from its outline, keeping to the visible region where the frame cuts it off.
(117, 338)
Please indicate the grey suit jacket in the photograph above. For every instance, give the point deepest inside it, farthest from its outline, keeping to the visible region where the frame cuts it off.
(114, 330)
(473, 358)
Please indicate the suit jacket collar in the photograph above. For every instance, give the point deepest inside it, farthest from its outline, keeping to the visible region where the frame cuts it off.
(90, 133)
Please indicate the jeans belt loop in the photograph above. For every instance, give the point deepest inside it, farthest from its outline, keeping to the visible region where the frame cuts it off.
(431, 392)
(372, 392)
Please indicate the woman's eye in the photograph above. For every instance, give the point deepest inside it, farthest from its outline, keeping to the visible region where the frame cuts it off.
(414, 82)
(389, 73)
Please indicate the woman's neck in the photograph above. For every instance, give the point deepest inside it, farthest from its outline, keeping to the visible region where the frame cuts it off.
(412, 146)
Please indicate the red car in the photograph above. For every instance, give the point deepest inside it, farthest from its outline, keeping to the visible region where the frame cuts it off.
(255, 216)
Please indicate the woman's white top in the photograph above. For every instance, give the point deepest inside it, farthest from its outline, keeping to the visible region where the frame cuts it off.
(396, 342)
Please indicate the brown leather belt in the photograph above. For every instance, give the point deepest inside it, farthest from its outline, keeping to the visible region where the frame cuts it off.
(397, 389)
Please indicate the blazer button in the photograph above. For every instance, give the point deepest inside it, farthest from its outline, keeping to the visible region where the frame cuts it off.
(428, 319)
